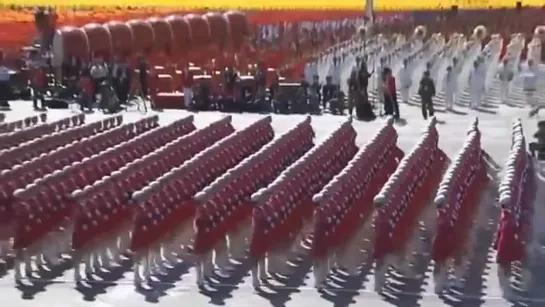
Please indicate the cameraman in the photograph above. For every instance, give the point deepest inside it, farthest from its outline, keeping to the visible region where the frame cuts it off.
(5, 89)
(99, 73)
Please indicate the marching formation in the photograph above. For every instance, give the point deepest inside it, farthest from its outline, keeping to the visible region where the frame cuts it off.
(515, 244)
(174, 193)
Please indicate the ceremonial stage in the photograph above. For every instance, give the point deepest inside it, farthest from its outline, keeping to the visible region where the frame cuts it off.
(115, 287)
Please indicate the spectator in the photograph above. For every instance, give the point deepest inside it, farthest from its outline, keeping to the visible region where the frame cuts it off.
(86, 91)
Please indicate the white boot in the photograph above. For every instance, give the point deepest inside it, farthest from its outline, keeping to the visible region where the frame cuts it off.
(381, 268)
(459, 271)
(88, 261)
(136, 270)
(526, 279)
(146, 268)
(504, 276)
(17, 268)
(222, 257)
(237, 244)
(440, 277)
(77, 271)
(256, 282)
(320, 273)
(199, 267)
(28, 264)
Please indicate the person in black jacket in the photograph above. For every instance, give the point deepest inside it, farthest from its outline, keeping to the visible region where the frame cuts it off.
(426, 91)
(328, 91)
(353, 92)
(363, 77)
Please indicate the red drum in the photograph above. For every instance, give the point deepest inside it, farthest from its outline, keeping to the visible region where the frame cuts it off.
(239, 28)
(219, 30)
(144, 37)
(99, 38)
(69, 42)
(181, 35)
(163, 34)
(122, 37)
(200, 31)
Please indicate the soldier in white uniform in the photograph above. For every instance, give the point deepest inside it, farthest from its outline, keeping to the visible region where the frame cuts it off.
(335, 72)
(529, 83)
(379, 84)
(405, 81)
(532, 67)
(456, 70)
(476, 85)
(311, 70)
(505, 75)
(450, 84)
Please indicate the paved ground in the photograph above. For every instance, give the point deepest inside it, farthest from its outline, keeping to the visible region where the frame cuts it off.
(178, 287)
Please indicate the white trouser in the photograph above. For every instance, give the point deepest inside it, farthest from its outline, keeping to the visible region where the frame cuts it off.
(504, 91)
(188, 96)
(449, 99)
(530, 98)
(476, 95)
(380, 95)
(405, 94)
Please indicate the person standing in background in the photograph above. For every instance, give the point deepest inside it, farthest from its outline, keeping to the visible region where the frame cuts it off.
(121, 80)
(363, 80)
(380, 81)
(38, 84)
(311, 69)
(391, 107)
(529, 86)
(456, 71)
(99, 74)
(426, 91)
(405, 81)
(5, 90)
(335, 72)
(99, 71)
(353, 92)
(329, 91)
(449, 86)
(505, 75)
(143, 76)
(260, 76)
(86, 91)
(187, 87)
(475, 85)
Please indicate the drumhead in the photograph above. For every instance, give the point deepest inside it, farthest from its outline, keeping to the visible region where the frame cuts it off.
(58, 49)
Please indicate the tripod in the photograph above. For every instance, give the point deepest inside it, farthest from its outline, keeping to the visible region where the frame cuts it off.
(141, 101)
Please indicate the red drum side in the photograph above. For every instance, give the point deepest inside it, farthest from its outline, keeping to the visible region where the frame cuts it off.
(144, 37)
(219, 30)
(181, 35)
(239, 28)
(163, 34)
(100, 42)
